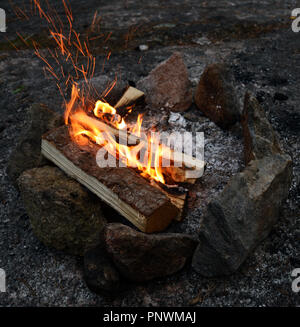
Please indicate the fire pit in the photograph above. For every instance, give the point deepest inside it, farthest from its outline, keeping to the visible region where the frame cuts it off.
(237, 215)
(234, 208)
(147, 201)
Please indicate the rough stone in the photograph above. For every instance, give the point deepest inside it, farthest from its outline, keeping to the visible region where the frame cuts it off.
(242, 215)
(99, 272)
(141, 257)
(259, 137)
(27, 153)
(216, 97)
(63, 214)
(168, 85)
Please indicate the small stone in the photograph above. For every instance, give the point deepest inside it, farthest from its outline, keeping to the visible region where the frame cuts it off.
(242, 215)
(202, 41)
(168, 85)
(58, 218)
(27, 153)
(143, 47)
(164, 25)
(99, 272)
(141, 257)
(259, 137)
(216, 96)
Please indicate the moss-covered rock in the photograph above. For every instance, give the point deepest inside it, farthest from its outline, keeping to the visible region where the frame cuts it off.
(63, 214)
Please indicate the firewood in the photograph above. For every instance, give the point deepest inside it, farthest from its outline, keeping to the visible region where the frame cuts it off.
(178, 174)
(147, 207)
(131, 95)
(178, 200)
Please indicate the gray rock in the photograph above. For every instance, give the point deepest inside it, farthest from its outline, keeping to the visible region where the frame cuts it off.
(63, 214)
(99, 272)
(242, 215)
(141, 257)
(216, 96)
(259, 137)
(27, 153)
(168, 85)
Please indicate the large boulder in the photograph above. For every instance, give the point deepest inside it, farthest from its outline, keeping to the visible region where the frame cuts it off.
(168, 85)
(216, 96)
(27, 153)
(259, 137)
(141, 257)
(63, 214)
(242, 215)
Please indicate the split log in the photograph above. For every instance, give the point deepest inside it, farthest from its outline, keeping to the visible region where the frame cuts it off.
(178, 200)
(130, 96)
(147, 207)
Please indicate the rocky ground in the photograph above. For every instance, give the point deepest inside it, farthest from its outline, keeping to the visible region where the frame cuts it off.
(256, 38)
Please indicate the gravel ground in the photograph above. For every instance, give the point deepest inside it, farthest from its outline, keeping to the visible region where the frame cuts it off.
(256, 38)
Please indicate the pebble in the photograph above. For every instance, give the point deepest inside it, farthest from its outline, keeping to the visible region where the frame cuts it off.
(143, 47)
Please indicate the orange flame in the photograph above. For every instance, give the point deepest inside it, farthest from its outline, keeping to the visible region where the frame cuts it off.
(85, 127)
(93, 125)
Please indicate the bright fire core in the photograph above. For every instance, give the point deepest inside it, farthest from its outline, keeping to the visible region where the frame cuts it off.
(83, 128)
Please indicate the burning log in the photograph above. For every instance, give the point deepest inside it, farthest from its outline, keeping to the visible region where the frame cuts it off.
(177, 174)
(190, 166)
(104, 126)
(147, 207)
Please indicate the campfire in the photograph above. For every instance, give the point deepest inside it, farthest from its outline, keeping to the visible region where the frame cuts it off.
(102, 124)
(147, 171)
(100, 128)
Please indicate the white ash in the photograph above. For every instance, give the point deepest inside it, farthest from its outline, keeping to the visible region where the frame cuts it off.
(223, 155)
(176, 119)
